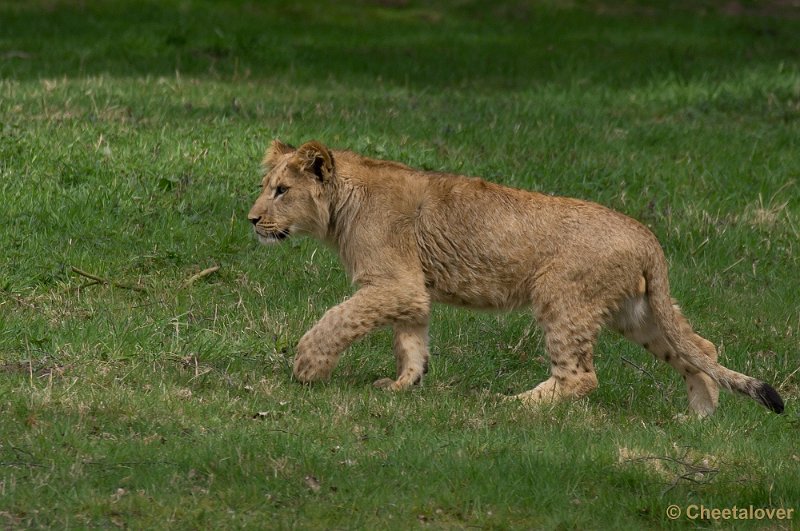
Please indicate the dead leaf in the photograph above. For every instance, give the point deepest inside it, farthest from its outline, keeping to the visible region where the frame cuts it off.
(16, 54)
(313, 483)
(184, 393)
(13, 520)
(268, 415)
(153, 438)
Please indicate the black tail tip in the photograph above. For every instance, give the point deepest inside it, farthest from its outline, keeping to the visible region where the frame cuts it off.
(770, 398)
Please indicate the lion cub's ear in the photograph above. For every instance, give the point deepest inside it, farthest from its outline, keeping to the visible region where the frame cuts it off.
(274, 152)
(317, 159)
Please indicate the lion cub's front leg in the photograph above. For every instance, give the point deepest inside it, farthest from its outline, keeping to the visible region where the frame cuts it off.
(371, 307)
(411, 353)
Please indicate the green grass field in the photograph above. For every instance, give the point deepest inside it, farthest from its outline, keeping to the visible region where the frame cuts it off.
(130, 140)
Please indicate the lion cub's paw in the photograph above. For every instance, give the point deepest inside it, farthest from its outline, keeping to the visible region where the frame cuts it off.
(522, 399)
(537, 397)
(393, 385)
(540, 395)
(308, 369)
(383, 383)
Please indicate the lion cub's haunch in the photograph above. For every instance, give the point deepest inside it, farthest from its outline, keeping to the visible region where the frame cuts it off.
(409, 237)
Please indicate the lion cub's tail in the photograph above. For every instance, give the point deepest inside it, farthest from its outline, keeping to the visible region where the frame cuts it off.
(679, 335)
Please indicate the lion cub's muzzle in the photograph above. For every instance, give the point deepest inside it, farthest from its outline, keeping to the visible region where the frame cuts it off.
(269, 235)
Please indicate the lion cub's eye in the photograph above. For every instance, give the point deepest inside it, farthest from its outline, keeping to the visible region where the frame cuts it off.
(280, 190)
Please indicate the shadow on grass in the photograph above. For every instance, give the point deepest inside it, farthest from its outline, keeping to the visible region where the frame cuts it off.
(474, 44)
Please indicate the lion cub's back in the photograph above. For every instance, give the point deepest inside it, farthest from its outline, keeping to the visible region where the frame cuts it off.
(482, 244)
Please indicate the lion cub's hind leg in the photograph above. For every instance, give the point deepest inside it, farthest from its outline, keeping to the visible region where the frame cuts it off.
(703, 391)
(635, 321)
(569, 339)
(411, 354)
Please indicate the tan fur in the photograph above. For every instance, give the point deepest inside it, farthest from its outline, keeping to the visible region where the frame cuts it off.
(409, 238)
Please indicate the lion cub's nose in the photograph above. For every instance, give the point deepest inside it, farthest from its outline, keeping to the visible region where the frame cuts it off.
(254, 219)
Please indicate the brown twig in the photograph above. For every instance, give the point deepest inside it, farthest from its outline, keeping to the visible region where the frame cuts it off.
(644, 371)
(17, 299)
(80, 287)
(204, 273)
(105, 281)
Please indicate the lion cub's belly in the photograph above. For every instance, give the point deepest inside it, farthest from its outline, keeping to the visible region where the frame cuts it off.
(485, 282)
(500, 299)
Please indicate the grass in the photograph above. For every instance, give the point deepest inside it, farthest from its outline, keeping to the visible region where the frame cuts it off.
(129, 148)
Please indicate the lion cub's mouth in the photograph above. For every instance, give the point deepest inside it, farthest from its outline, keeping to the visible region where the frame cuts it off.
(272, 237)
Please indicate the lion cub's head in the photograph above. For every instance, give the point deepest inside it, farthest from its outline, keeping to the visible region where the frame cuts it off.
(295, 195)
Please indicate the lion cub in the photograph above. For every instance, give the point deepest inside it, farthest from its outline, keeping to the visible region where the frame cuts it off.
(409, 237)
